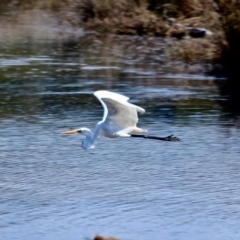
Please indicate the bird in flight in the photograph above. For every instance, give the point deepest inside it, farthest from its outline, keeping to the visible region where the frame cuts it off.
(119, 120)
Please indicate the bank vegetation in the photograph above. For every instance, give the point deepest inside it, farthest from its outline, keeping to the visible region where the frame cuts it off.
(164, 18)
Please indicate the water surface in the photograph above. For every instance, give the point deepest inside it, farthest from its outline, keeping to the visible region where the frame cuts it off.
(130, 188)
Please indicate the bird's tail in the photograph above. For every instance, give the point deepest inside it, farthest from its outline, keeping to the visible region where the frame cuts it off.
(137, 130)
(127, 132)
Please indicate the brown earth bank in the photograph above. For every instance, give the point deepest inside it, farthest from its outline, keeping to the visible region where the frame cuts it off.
(185, 20)
(181, 19)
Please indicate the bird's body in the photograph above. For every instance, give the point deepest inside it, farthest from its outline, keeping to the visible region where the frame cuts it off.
(119, 119)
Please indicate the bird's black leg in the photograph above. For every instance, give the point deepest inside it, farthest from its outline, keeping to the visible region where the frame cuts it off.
(170, 138)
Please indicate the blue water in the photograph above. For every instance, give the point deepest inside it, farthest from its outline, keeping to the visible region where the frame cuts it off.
(128, 188)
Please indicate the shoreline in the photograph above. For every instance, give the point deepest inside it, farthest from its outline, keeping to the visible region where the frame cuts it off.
(185, 55)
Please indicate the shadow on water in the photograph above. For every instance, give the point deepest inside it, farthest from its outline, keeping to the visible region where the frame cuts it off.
(230, 98)
(229, 90)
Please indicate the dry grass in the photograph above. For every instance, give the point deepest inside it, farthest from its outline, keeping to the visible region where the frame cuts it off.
(148, 17)
(120, 17)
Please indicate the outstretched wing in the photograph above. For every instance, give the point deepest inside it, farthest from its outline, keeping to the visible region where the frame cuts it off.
(118, 112)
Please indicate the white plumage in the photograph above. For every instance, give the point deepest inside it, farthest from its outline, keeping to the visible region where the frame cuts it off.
(119, 119)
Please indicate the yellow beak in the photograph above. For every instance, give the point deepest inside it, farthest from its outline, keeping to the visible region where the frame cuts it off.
(71, 132)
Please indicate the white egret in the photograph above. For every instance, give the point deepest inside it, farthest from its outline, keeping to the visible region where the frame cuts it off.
(119, 120)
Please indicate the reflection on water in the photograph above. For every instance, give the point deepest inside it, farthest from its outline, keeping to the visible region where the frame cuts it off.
(131, 188)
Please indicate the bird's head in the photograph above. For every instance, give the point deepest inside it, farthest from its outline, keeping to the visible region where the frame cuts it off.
(87, 143)
(84, 131)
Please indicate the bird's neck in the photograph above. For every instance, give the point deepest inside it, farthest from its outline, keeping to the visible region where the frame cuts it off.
(88, 142)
